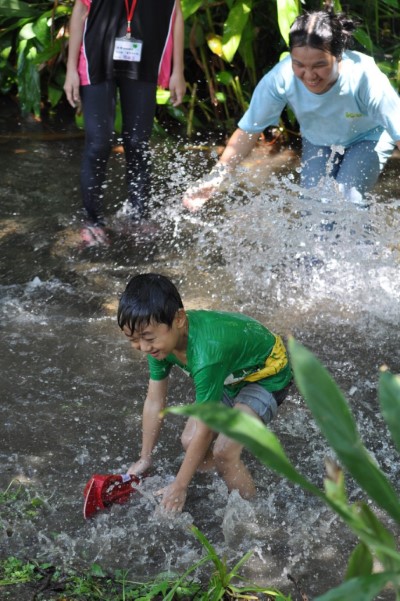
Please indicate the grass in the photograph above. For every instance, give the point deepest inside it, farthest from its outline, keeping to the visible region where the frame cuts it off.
(45, 582)
(22, 578)
(15, 492)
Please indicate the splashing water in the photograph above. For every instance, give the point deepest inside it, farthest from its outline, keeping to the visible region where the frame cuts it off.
(322, 269)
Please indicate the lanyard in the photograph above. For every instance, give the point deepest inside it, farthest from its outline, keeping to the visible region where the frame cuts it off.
(129, 16)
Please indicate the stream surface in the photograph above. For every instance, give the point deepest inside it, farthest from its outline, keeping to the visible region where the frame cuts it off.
(72, 389)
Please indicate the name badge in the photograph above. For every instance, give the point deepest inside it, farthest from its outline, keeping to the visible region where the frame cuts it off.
(127, 49)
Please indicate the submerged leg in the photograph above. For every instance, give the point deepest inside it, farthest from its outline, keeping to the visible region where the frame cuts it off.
(208, 462)
(228, 462)
(361, 166)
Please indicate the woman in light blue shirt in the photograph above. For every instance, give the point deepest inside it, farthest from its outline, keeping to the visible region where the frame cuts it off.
(347, 109)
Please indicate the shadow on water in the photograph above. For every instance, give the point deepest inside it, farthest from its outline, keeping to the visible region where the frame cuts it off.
(72, 389)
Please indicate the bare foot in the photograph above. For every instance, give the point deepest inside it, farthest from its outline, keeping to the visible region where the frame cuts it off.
(94, 235)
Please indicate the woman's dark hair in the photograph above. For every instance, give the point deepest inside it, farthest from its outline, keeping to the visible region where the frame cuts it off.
(323, 30)
(148, 297)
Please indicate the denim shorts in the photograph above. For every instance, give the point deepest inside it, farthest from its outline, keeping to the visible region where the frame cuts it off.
(354, 168)
(262, 402)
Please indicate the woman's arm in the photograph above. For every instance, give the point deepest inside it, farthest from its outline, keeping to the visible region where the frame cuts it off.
(239, 146)
(76, 27)
(177, 84)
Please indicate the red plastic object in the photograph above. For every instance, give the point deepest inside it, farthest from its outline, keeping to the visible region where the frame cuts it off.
(102, 491)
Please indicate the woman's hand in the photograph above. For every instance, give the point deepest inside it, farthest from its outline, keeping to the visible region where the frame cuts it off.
(71, 88)
(198, 194)
(177, 88)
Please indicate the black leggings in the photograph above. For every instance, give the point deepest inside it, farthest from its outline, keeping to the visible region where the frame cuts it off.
(138, 106)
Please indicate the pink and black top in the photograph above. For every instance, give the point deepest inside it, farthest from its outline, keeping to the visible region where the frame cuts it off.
(152, 23)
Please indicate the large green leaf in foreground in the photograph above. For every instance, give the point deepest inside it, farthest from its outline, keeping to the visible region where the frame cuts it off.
(336, 422)
(252, 434)
(389, 398)
(365, 588)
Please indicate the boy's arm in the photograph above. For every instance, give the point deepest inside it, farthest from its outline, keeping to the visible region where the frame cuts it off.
(177, 84)
(151, 424)
(76, 27)
(174, 495)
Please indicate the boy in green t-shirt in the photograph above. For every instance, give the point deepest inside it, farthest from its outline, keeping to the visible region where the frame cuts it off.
(232, 359)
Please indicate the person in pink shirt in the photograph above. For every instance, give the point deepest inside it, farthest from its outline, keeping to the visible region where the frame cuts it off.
(124, 47)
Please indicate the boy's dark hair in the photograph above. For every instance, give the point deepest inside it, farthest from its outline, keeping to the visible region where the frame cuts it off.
(323, 30)
(148, 297)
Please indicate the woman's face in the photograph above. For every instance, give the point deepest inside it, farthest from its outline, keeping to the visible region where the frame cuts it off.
(317, 70)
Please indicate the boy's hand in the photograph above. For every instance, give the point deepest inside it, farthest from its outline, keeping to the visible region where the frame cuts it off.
(173, 497)
(140, 467)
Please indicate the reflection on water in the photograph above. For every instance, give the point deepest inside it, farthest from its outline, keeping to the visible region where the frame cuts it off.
(72, 389)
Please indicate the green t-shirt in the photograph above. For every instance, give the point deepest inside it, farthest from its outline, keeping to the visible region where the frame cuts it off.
(223, 349)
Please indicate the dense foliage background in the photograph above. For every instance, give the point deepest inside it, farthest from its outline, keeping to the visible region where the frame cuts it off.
(229, 45)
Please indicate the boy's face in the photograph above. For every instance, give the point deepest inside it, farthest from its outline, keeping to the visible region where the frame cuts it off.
(158, 339)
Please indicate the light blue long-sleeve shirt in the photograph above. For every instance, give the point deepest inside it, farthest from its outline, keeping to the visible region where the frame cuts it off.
(359, 106)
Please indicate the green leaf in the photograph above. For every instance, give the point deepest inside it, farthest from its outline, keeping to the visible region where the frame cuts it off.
(97, 570)
(214, 42)
(54, 95)
(393, 3)
(288, 10)
(177, 113)
(380, 533)
(5, 52)
(334, 418)
(233, 28)
(252, 434)
(246, 50)
(117, 118)
(220, 96)
(41, 30)
(208, 546)
(14, 8)
(224, 77)
(79, 121)
(28, 80)
(363, 38)
(49, 52)
(379, 539)
(334, 484)
(389, 399)
(189, 7)
(364, 588)
(360, 562)
(162, 96)
(26, 32)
